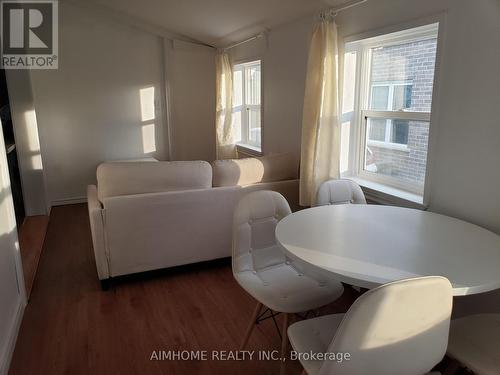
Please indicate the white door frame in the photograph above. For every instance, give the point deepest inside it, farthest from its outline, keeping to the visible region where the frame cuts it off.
(10, 220)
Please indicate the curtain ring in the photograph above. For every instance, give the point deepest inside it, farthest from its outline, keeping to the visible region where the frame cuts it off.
(327, 15)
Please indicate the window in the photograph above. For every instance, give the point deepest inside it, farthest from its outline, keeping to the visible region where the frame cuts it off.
(386, 107)
(247, 105)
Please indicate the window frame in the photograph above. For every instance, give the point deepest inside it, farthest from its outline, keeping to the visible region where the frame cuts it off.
(245, 144)
(363, 47)
(387, 143)
(414, 188)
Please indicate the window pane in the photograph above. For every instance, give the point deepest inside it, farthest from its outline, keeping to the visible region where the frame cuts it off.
(237, 88)
(254, 129)
(236, 124)
(247, 103)
(376, 129)
(402, 97)
(409, 63)
(406, 157)
(253, 84)
(380, 98)
(400, 130)
(348, 99)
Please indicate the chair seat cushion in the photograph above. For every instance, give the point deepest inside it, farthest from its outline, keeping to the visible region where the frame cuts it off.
(475, 341)
(284, 288)
(314, 335)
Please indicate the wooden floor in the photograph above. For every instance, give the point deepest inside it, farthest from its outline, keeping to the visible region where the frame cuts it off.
(31, 237)
(71, 327)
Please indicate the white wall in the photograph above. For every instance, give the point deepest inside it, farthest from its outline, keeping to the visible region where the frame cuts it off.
(466, 171)
(27, 141)
(89, 110)
(464, 178)
(11, 281)
(191, 80)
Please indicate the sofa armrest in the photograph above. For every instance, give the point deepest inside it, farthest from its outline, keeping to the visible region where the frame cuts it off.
(96, 217)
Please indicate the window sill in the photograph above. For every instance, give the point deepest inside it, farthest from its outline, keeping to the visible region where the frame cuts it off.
(384, 194)
(248, 150)
(389, 145)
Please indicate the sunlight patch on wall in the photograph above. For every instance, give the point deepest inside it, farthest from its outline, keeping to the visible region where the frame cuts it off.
(147, 103)
(148, 138)
(148, 115)
(33, 140)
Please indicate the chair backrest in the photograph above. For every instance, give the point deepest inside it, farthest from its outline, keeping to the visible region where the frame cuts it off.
(398, 328)
(254, 242)
(339, 192)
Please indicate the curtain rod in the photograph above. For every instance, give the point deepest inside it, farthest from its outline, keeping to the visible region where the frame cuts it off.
(331, 11)
(260, 35)
(347, 5)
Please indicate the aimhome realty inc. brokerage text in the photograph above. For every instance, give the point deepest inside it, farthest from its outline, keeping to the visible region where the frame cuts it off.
(243, 355)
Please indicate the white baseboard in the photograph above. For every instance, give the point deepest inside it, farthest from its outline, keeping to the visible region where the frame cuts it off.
(62, 202)
(6, 356)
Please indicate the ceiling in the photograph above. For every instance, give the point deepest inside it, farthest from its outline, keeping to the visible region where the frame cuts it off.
(217, 22)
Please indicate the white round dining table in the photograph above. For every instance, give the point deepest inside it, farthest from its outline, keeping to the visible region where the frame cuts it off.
(370, 245)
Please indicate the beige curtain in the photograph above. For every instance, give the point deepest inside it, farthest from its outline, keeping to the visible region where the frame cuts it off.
(320, 152)
(226, 148)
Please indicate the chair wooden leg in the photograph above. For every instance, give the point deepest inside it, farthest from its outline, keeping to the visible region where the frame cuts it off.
(251, 325)
(284, 343)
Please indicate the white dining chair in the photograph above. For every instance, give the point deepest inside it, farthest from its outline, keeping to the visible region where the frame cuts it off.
(475, 343)
(341, 191)
(263, 269)
(400, 328)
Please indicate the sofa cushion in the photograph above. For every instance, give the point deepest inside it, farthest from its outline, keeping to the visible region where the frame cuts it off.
(241, 172)
(117, 178)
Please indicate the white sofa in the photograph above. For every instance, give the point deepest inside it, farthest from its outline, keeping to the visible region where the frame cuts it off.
(152, 215)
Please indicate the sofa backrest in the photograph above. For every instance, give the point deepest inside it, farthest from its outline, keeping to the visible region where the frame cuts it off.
(116, 178)
(242, 172)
